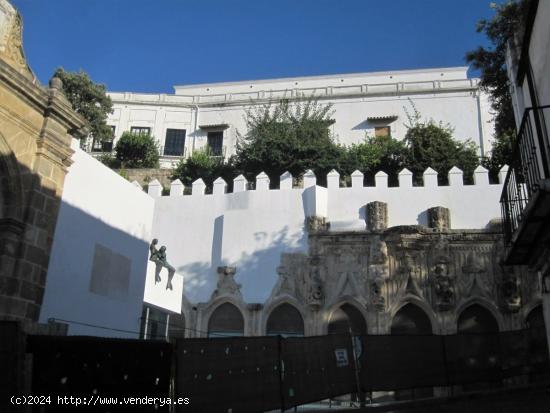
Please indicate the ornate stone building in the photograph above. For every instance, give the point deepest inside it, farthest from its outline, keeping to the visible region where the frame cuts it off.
(36, 127)
(402, 280)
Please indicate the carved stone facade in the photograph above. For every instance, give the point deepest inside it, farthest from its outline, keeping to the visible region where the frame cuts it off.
(442, 273)
(36, 127)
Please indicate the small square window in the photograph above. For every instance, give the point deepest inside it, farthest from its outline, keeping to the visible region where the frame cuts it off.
(140, 130)
(382, 131)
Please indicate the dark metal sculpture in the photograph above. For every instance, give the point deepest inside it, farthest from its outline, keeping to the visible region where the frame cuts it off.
(159, 258)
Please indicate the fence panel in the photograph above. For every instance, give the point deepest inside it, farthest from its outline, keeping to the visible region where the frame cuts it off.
(228, 374)
(402, 362)
(93, 366)
(317, 368)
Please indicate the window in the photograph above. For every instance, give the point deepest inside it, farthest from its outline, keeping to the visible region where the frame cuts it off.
(174, 144)
(286, 321)
(215, 143)
(140, 130)
(106, 145)
(226, 321)
(382, 131)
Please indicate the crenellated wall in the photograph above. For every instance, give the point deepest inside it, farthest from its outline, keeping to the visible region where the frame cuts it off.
(250, 229)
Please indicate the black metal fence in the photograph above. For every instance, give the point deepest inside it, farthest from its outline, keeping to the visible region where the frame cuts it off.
(530, 164)
(255, 374)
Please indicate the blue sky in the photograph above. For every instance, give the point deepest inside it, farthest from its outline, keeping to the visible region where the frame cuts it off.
(149, 46)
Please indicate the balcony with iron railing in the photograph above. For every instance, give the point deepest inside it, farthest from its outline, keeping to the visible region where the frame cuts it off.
(525, 198)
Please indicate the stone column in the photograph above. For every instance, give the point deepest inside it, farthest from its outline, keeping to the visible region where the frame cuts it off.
(376, 216)
(439, 218)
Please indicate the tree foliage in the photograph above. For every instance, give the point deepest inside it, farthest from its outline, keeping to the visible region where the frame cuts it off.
(88, 99)
(201, 165)
(287, 137)
(295, 138)
(137, 151)
(501, 154)
(431, 145)
(491, 61)
(378, 153)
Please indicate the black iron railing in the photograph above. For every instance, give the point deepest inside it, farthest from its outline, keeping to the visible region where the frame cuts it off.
(529, 165)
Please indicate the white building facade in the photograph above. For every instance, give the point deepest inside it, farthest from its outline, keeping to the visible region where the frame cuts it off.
(212, 115)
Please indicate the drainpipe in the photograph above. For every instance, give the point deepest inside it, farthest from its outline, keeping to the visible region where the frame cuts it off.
(195, 128)
(480, 120)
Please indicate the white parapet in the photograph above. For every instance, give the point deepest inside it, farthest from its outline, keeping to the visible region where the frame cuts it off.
(357, 179)
(262, 182)
(239, 184)
(176, 188)
(198, 187)
(430, 178)
(405, 178)
(155, 188)
(220, 186)
(481, 176)
(333, 180)
(286, 181)
(381, 179)
(309, 179)
(456, 177)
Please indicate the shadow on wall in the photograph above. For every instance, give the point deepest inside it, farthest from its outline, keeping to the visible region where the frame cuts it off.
(58, 261)
(96, 275)
(256, 272)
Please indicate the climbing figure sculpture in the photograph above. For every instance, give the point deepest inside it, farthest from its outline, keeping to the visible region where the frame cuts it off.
(159, 258)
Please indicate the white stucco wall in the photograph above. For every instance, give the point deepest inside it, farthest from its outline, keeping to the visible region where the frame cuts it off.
(98, 208)
(538, 52)
(250, 229)
(444, 95)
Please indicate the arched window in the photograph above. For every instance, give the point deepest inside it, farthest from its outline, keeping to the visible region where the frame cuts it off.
(226, 320)
(346, 318)
(476, 319)
(286, 321)
(176, 326)
(410, 320)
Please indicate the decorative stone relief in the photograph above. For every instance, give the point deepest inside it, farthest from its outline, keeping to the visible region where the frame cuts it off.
(287, 283)
(315, 295)
(226, 283)
(443, 285)
(412, 270)
(510, 290)
(11, 38)
(317, 224)
(378, 274)
(439, 218)
(474, 282)
(377, 216)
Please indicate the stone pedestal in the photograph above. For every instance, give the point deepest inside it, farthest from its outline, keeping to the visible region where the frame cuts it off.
(377, 216)
(439, 218)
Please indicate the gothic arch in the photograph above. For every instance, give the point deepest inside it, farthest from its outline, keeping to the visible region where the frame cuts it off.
(421, 315)
(286, 299)
(299, 324)
(207, 312)
(233, 325)
(486, 304)
(425, 307)
(345, 301)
